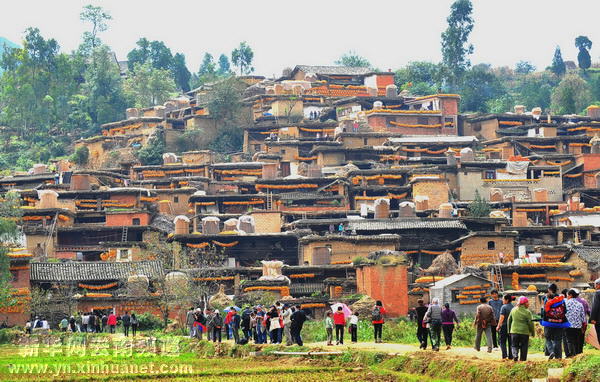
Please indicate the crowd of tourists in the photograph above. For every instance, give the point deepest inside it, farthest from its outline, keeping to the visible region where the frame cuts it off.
(508, 323)
(278, 324)
(87, 322)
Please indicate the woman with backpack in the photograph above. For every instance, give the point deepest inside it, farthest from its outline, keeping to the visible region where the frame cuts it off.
(377, 318)
(554, 321)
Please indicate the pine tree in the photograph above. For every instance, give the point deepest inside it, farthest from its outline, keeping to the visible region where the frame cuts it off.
(558, 65)
(479, 207)
(584, 44)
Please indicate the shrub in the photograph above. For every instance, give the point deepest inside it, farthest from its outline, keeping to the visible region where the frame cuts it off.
(81, 155)
(148, 321)
(8, 335)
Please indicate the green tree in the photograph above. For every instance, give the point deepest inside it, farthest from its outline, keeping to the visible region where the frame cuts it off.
(224, 68)
(149, 86)
(535, 89)
(455, 45)
(242, 57)
(423, 77)
(479, 207)
(103, 88)
(207, 67)
(9, 210)
(181, 73)
(98, 18)
(524, 67)
(152, 152)
(352, 59)
(479, 86)
(584, 44)
(155, 53)
(571, 96)
(558, 66)
(225, 105)
(81, 155)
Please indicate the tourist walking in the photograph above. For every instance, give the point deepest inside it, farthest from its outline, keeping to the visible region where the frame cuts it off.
(245, 325)
(448, 320)
(216, 323)
(104, 320)
(496, 304)
(329, 328)
(72, 324)
(576, 317)
(587, 310)
(287, 322)
(554, 320)
(433, 317)
(189, 321)
(595, 313)
(520, 327)
(339, 319)
(126, 320)
(377, 319)
(134, 324)
(112, 322)
(274, 325)
(484, 322)
(85, 319)
(298, 319)
(353, 327)
(502, 327)
(64, 323)
(91, 322)
(234, 324)
(422, 333)
(261, 327)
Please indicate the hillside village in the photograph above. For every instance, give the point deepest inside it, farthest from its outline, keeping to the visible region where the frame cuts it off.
(358, 188)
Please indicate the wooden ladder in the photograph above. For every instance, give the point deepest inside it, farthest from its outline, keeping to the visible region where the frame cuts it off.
(124, 233)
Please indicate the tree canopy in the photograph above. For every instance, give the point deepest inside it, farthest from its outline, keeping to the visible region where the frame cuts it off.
(584, 44)
(242, 57)
(558, 66)
(352, 59)
(455, 42)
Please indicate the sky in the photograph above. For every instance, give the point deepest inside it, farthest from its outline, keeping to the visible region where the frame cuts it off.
(285, 33)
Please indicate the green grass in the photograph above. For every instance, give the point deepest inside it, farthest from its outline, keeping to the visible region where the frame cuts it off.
(403, 331)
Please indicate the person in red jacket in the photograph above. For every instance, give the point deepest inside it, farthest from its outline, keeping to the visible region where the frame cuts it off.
(377, 319)
(112, 322)
(339, 319)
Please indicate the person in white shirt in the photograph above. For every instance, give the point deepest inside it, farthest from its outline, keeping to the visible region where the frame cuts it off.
(353, 320)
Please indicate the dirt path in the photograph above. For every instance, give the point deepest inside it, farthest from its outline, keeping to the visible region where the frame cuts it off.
(392, 348)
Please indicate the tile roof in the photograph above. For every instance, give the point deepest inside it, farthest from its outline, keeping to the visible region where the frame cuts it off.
(93, 270)
(404, 224)
(333, 70)
(454, 278)
(590, 255)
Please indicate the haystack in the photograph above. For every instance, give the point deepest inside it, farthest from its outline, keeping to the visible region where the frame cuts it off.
(444, 265)
(220, 299)
(364, 306)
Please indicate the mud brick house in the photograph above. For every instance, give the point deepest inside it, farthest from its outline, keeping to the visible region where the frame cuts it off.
(462, 292)
(420, 238)
(228, 205)
(24, 182)
(586, 260)
(342, 249)
(487, 247)
(518, 178)
(244, 250)
(19, 268)
(98, 286)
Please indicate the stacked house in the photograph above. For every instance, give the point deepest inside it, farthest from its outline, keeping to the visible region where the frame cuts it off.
(357, 188)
